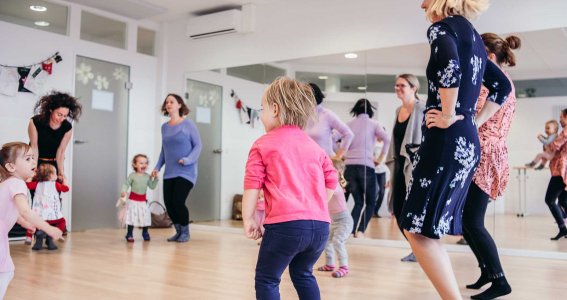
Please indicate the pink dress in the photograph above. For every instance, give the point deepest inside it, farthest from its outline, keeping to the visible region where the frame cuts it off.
(558, 165)
(9, 188)
(493, 171)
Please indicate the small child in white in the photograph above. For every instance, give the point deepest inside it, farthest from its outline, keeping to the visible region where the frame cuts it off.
(137, 212)
(341, 227)
(551, 129)
(46, 203)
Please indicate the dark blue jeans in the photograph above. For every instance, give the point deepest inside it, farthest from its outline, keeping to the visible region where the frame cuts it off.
(362, 184)
(297, 244)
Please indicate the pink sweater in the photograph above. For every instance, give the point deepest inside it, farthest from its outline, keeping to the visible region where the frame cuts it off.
(294, 173)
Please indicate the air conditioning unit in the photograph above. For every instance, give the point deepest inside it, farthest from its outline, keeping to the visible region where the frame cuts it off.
(224, 22)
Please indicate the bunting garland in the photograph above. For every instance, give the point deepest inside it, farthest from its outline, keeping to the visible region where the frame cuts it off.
(26, 79)
(247, 115)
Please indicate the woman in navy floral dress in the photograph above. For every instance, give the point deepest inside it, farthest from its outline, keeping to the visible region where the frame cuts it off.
(450, 150)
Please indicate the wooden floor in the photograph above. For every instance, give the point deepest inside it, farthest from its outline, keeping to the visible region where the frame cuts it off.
(527, 233)
(98, 264)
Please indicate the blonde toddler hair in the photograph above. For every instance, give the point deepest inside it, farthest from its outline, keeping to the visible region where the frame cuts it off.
(470, 9)
(294, 99)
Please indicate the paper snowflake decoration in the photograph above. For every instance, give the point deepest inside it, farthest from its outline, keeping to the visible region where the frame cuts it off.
(101, 82)
(120, 74)
(84, 73)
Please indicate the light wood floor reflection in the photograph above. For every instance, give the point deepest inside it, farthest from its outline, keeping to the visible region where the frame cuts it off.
(99, 264)
(531, 232)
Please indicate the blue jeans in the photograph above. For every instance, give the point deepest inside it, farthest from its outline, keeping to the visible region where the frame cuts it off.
(297, 244)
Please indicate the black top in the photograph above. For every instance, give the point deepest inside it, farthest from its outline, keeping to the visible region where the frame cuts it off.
(398, 136)
(48, 139)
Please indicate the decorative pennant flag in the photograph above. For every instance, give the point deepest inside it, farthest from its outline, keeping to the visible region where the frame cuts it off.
(247, 115)
(23, 71)
(36, 79)
(9, 81)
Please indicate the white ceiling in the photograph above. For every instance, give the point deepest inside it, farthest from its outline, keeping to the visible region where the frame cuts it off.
(542, 54)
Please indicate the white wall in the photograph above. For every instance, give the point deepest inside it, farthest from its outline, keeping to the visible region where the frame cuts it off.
(237, 138)
(25, 45)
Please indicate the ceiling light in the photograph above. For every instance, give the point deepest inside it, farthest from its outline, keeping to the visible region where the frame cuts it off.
(323, 77)
(362, 88)
(41, 23)
(351, 55)
(38, 8)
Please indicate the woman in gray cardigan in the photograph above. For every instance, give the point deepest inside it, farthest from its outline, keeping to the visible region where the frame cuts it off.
(406, 131)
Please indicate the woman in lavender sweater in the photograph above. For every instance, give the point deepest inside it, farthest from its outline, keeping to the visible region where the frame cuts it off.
(181, 146)
(360, 162)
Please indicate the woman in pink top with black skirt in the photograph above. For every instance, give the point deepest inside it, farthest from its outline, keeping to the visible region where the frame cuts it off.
(298, 179)
(491, 176)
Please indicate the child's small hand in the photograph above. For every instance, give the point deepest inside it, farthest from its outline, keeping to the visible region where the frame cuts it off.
(154, 173)
(252, 230)
(123, 194)
(181, 162)
(55, 233)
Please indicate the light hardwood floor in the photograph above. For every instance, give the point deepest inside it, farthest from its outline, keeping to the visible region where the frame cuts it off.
(528, 233)
(98, 264)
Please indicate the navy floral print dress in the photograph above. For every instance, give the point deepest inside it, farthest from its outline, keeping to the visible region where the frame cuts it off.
(447, 158)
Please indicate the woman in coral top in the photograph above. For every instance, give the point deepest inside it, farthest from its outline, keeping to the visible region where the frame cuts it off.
(491, 176)
(557, 184)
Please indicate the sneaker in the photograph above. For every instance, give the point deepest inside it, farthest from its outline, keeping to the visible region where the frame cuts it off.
(129, 238)
(540, 167)
(409, 258)
(28, 240)
(530, 164)
(146, 236)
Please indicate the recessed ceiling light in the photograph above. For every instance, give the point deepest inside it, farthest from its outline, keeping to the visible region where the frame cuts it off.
(323, 77)
(362, 88)
(38, 8)
(351, 55)
(41, 23)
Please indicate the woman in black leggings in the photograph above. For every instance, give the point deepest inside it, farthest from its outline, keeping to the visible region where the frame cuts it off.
(556, 189)
(491, 176)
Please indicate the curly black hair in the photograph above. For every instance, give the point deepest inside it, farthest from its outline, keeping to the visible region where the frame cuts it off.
(55, 100)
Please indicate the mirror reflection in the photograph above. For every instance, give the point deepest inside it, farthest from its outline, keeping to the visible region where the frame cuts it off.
(370, 117)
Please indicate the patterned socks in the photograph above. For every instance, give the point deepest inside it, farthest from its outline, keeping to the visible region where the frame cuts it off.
(326, 268)
(341, 272)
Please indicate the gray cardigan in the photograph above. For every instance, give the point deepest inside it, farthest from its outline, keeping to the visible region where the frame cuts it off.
(411, 136)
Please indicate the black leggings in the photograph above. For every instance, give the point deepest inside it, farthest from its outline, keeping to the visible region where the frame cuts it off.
(175, 192)
(398, 189)
(362, 184)
(477, 236)
(555, 191)
(381, 187)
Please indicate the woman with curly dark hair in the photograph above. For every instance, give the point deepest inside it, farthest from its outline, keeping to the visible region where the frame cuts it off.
(50, 129)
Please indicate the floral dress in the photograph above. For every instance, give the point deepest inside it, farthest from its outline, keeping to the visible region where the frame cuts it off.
(447, 158)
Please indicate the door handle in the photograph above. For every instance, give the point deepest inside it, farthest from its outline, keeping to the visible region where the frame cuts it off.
(79, 142)
(217, 151)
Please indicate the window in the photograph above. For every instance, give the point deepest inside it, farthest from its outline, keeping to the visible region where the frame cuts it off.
(146, 41)
(103, 30)
(260, 73)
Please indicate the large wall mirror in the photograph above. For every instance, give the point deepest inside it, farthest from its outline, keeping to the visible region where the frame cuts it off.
(518, 220)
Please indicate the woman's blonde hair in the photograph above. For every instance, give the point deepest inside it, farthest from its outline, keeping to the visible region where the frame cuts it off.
(294, 99)
(411, 80)
(44, 172)
(8, 154)
(470, 9)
